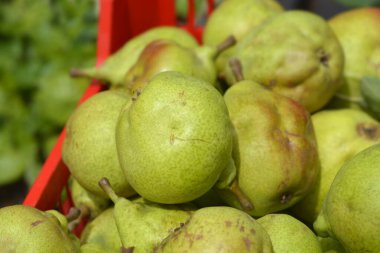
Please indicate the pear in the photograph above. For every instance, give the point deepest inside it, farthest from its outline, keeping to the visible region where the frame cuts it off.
(141, 225)
(357, 31)
(167, 55)
(91, 205)
(102, 231)
(218, 229)
(236, 18)
(330, 245)
(275, 150)
(175, 142)
(89, 147)
(113, 69)
(27, 229)
(344, 133)
(370, 90)
(351, 210)
(289, 235)
(295, 54)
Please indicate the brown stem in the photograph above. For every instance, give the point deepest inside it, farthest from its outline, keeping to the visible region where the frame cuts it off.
(240, 195)
(73, 214)
(227, 43)
(79, 73)
(127, 250)
(236, 68)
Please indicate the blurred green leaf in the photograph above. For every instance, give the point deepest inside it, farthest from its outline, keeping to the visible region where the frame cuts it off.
(359, 3)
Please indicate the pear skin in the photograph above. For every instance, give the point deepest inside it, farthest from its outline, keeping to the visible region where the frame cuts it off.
(351, 210)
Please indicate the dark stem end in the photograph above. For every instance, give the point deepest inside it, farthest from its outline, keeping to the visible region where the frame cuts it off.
(227, 43)
(73, 213)
(236, 68)
(127, 250)
(240, 195)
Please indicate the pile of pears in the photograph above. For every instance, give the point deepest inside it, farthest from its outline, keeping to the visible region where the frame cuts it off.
(265, 138)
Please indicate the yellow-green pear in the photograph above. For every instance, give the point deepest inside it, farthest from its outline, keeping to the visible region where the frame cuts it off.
(289, 235)
(115, 67)
(175, 141)
(236, 18)
(358, 33)
(89, 147)
(275, 150)
(219, 229)
(340, 134)
(296, 54)
(351, 210)
(27, 229)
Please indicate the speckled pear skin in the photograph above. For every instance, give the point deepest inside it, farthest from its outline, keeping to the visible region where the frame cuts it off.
(358, 33)
(351, 210)
(166, 55)
(344, 133)
(218, 229)
(289, 235)
(175, 140)
(236, 18)
(89, 148)
(103, 232)
(275, 152)
(295, 54)
(27, 229)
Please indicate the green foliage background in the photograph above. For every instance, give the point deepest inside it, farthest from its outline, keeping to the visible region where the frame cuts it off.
(40, 41)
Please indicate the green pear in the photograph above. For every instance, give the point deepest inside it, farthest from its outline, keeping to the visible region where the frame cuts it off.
(114, 68)
(91, 205)
(175, 142)
(357, 31)
(27, 229)
(102, 231)
(167, 55)
(142, 225)
(275, 150)
(289, 235)
(236, 18)
(218, 229)
(94, 248)
(330, 245)
(351, 210)
(89, 148)
(295, 54)
(344, 133)
(370, 90)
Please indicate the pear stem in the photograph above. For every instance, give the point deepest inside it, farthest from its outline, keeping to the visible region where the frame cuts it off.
(73, 213)
(79, 73)
(236, 68)
(243, 199)
(105, 184)
(227, 43)
(127, 250)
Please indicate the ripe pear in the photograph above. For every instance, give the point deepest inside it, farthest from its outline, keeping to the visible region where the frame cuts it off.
(102, 231)
(167, 55)
(89, 148)
(218, 229)
(295, 54)
(175, 141)
(275, 150)
(358, 33)
(91, 205)
(142, 225)
(351, 210)
(236, 18)
(27, 229)
(114, 68)
(289, 235)
(344, 133)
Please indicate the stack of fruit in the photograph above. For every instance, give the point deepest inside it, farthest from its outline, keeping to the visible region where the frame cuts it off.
(237, 145)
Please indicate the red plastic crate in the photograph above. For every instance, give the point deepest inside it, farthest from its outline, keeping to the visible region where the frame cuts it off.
(119, 20)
